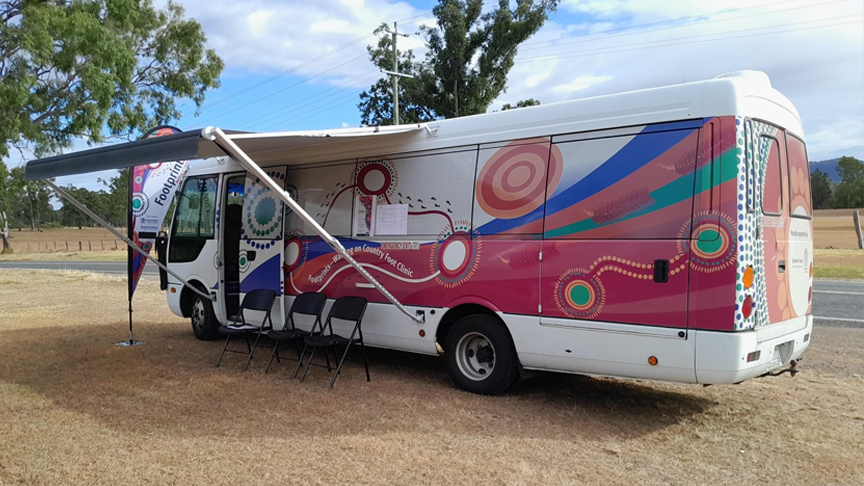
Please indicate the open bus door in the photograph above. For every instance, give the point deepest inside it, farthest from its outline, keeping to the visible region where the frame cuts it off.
(260, 250)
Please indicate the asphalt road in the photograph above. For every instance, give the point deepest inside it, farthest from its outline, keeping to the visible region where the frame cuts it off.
(836, 303)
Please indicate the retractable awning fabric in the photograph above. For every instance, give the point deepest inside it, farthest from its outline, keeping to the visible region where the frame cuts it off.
(213, 142)
(192, 145)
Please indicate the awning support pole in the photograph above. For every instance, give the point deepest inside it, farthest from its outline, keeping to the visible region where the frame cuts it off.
(214, 134)
(62, 192)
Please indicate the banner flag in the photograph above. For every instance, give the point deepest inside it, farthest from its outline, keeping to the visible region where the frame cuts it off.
(152, 190)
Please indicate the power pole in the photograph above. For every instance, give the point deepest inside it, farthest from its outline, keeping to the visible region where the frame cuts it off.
(395, 74)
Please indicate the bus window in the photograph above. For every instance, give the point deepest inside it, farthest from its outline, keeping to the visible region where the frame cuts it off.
(772, 190)
(799, 178)
(194, 221)
(196, 208)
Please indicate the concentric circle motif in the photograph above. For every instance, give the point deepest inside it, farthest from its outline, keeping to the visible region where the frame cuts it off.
(456, 255)
(579, 295)
(244, 261)
(154, 166)
(263, 218)
(295, 254)
(711, 244)
(139, 180)
(514, 181)
(376, 177)
(140, 203)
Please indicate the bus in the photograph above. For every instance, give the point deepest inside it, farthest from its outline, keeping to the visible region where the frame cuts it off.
(662, 234)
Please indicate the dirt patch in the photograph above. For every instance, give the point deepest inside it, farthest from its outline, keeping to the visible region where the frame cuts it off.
(74, 409)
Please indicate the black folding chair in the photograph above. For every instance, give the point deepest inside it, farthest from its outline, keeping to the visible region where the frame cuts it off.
(345, 309)
(308, 304)
(257, 300)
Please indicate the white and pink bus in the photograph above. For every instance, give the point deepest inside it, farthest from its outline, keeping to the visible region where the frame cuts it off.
(662, 234)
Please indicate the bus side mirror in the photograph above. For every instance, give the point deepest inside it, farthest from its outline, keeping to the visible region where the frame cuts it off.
(162, 256)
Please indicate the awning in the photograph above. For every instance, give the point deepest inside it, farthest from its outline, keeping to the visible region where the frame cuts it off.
(191, 145)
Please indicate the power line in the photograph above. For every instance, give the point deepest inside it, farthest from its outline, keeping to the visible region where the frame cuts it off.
(268, 117)
(670, 27)
(679, 19)
(613, 49)
(323, 109)
(278, 91)
(409, 20)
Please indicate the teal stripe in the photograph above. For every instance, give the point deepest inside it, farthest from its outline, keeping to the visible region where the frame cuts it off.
(720, 170)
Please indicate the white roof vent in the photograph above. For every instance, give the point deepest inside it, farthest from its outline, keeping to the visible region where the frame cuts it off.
(754, 76)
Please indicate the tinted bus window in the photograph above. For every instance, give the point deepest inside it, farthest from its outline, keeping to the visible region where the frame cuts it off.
(772, 190)
(799, 178)
(196, 207)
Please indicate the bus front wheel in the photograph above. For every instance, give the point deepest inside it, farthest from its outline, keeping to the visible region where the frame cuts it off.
(204, 323)
(480, 356)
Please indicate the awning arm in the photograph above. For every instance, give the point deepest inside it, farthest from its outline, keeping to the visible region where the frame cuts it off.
(62, 192)
(216, 135)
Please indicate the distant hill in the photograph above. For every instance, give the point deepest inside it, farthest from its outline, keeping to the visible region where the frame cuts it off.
(827, 166)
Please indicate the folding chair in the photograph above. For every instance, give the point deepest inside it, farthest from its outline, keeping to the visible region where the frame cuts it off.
(346, 309)
(308, 304)
(257, 300)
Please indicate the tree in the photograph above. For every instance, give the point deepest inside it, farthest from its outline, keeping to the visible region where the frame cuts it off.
(10, 192)
(521, 104)
(80, 68)
(469, 56)
(850, 191)
(821, 187)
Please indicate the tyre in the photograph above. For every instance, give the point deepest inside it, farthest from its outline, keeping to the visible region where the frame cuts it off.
(204, 323)
(480, 356)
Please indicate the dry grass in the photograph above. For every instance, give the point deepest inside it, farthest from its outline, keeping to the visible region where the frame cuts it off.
(838, 263)
(834, 228)
(74, 256)
(74, 409)
(63, 239)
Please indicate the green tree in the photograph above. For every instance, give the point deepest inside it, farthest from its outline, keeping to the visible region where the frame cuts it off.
(10, 194)
(521, 104)
(470, 54)
(71, 68)
(850, 191)
(821, 187)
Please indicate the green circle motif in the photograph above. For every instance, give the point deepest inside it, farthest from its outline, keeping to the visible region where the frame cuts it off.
(709, 241)
(136, 203)
(265, 211)
(580, 295)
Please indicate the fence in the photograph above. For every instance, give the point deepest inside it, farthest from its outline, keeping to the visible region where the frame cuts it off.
(66, 245)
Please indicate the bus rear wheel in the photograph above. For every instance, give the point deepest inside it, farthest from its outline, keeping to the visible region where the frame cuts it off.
(204, 323)
(480, 356)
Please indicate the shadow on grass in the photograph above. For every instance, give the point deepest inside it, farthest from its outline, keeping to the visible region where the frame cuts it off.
(170, 386)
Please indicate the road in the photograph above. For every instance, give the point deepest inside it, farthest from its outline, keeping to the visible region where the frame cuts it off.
(836, 303)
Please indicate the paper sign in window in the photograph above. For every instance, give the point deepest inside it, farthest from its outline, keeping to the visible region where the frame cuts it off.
(392, 219)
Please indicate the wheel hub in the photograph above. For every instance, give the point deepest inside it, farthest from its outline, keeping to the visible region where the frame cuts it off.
(475, 356)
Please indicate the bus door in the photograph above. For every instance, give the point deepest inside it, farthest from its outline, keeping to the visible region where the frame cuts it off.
(260, 251)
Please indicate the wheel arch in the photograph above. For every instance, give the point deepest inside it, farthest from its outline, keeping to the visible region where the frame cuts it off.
(463, 310)
(187, 297)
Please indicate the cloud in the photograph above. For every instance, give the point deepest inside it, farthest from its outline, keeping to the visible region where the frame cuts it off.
(813, 54)
(582, 82)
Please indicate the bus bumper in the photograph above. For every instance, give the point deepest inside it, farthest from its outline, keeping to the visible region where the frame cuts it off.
(722, 357)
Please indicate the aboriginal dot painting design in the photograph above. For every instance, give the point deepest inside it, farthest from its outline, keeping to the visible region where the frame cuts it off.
(514, 181)
(579, 294)
(376, 177)
(244, 261)
(456, 254)
(712, 246)
(140, 203)
(296, 252)
(752, 166)
(262, 213)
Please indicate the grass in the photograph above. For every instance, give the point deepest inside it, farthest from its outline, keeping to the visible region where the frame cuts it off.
(76, 256)
(838, 263)
(74, 409)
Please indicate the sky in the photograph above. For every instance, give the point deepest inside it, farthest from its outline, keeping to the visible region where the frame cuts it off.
(296, 65)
